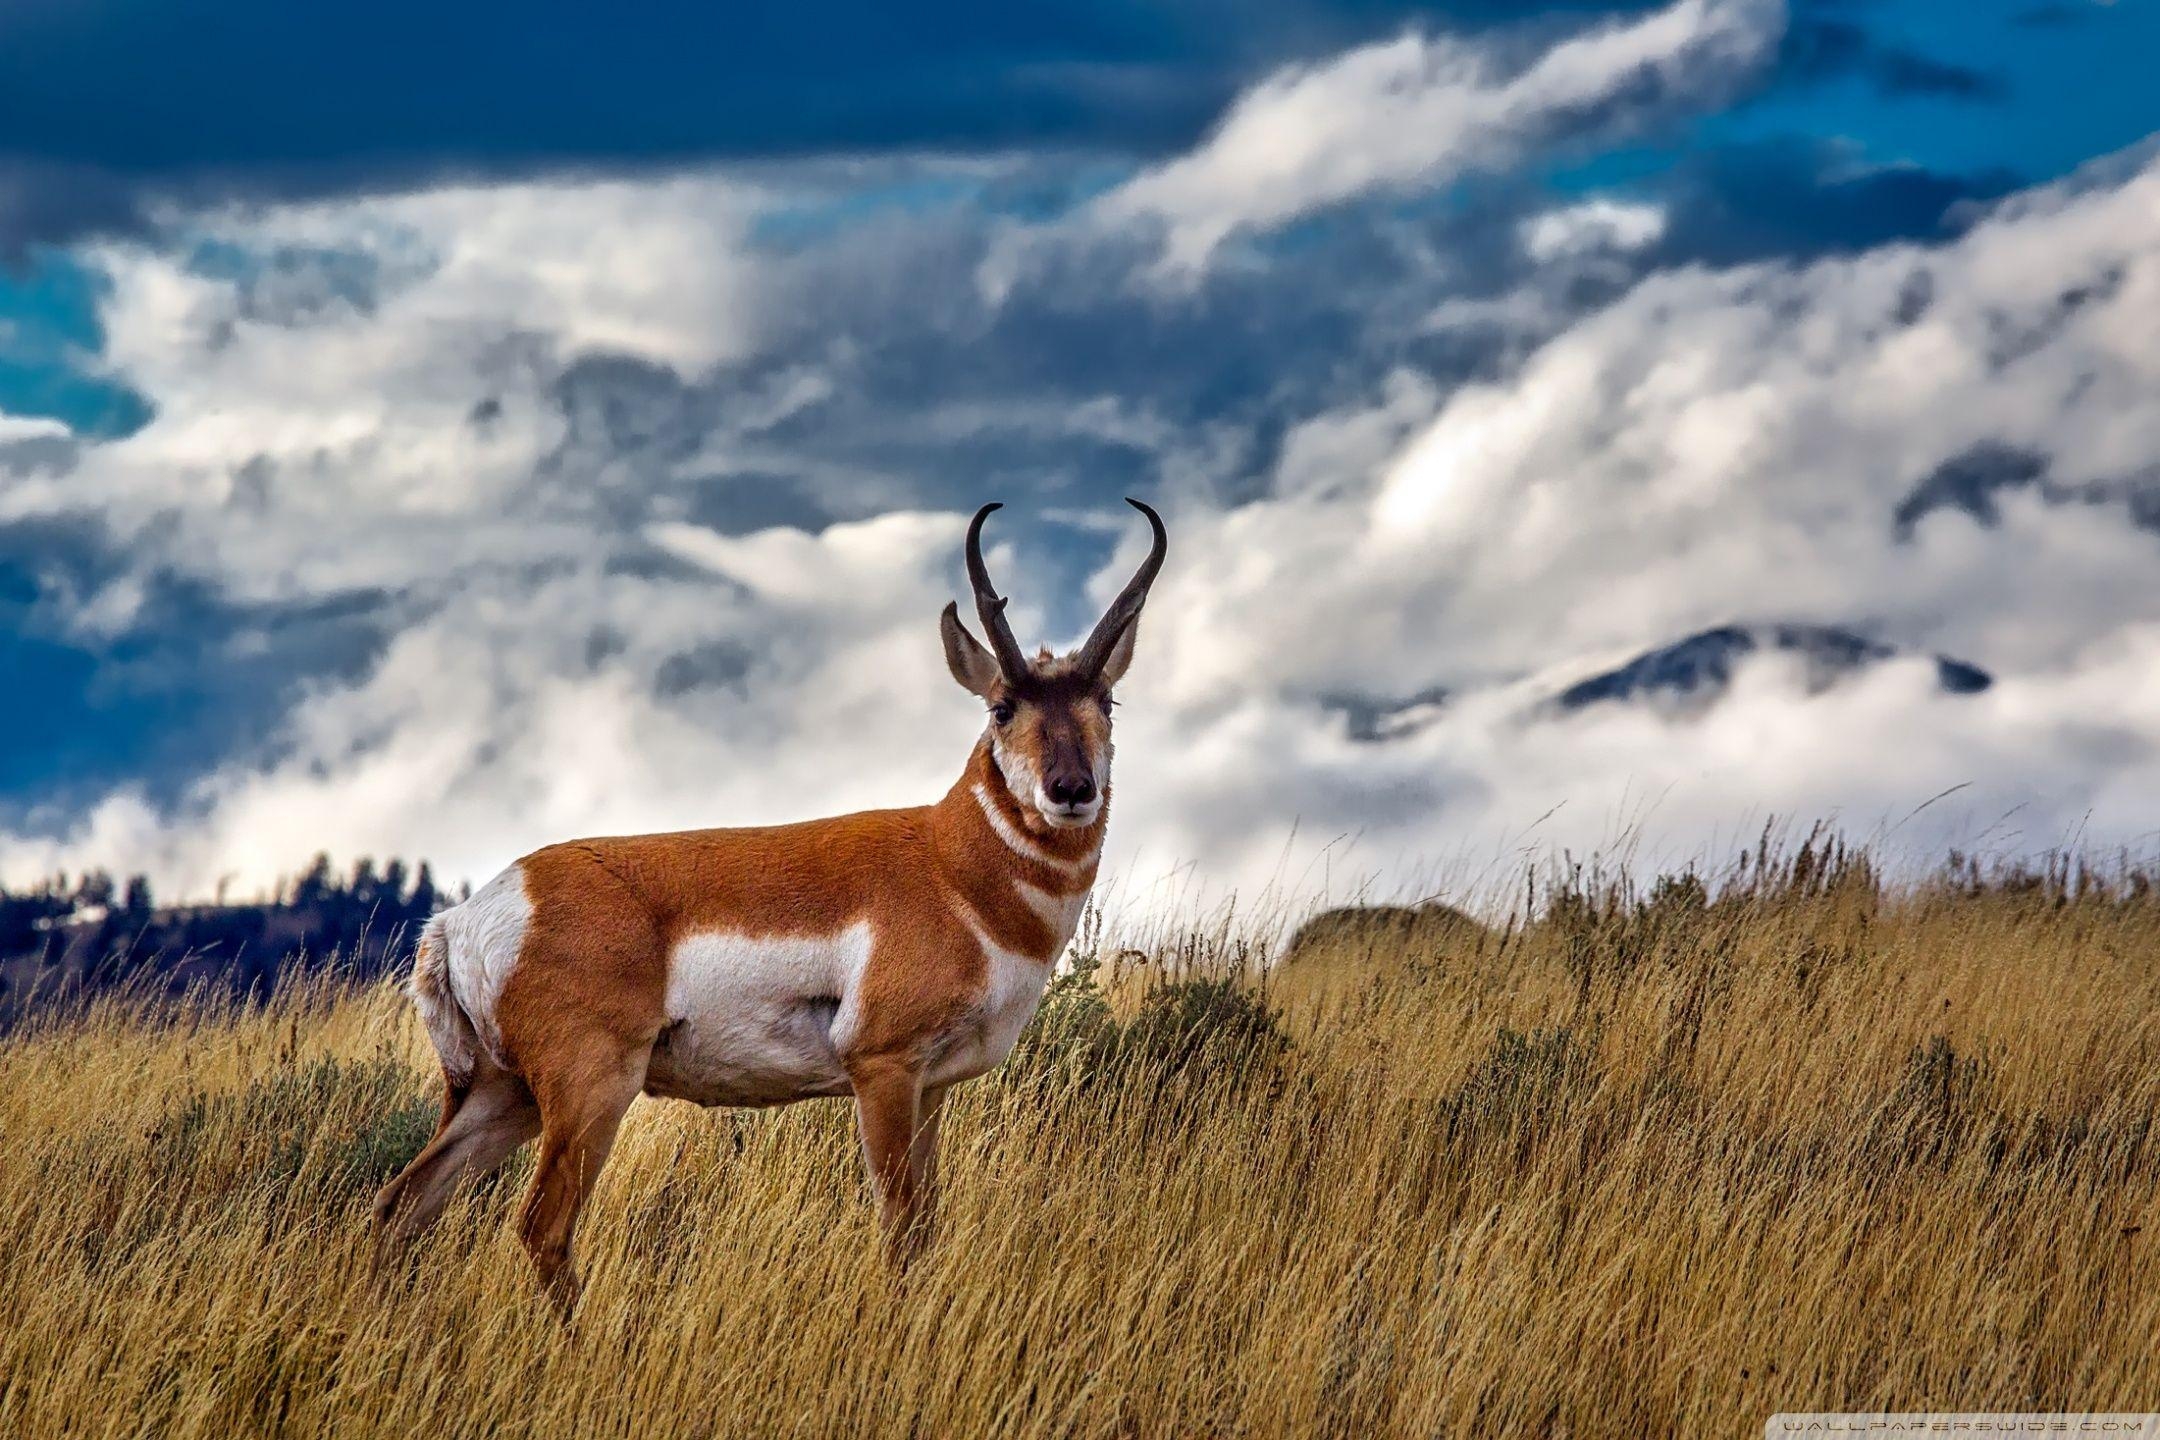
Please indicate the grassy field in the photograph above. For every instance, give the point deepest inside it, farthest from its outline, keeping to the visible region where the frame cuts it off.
(1668, 1162)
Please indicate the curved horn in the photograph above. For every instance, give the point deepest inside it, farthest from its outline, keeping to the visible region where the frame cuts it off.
(989, 604)
(1125, 609)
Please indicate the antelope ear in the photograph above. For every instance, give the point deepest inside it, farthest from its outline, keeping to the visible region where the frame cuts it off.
(974, 667)
(1120, 656)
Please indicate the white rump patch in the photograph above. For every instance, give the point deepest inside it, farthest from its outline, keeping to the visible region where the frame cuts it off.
(485, 935)
(440, 1015)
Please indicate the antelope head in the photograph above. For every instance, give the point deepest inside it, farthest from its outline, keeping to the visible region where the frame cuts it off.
(1049, 723)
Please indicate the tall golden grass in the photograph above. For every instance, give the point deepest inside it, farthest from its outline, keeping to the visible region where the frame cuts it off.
(1652, 1164)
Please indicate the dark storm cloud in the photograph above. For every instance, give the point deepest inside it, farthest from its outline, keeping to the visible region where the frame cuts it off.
(1818, 49)
(105, 107)
(1076, 386)
(109, 112)
(891, 380)
(40, 200)
(1803, 198)
(634, 480)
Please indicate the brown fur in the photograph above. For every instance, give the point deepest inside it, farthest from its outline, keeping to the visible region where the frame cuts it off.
(585, 1003)
(581, 1011)
(607, 913)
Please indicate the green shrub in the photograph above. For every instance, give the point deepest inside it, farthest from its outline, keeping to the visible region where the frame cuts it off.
(1185, 1024)
(327, 1130)
(1182, 1026)
(1072, 1025)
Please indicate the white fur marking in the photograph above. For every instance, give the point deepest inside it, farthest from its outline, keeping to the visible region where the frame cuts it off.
(1060, 912)
(440, 1014)
(1013, 990)
(761, 1019)
(1021, 777)
(484, 936)
(1018, 843)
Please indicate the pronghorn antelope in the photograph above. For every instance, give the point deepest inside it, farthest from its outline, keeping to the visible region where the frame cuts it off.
(886, 955)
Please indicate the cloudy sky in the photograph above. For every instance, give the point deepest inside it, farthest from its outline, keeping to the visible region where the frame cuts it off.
(443, 432)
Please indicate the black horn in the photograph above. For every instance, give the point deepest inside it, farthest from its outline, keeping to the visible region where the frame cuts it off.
(989, 604)
(1125, 609)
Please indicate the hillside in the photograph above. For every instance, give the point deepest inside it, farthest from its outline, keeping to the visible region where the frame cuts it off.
(1655, 1163)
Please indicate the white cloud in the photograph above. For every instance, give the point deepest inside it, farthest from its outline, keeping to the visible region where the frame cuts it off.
(496, 723)
(1721, 446)
(307, 440)
(1590, 227)
(582, 654)
(1418, 112)
(30, 427)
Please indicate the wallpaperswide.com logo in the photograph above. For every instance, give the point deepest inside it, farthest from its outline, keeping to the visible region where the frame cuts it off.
(1856, 1425)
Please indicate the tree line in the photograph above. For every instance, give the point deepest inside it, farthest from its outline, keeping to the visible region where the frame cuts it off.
(83, 936)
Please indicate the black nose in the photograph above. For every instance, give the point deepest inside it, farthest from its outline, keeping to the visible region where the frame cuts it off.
(1071, 789)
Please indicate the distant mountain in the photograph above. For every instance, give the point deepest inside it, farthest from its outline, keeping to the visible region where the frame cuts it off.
(1694, 672)
(1701, 666)
(1370, 719)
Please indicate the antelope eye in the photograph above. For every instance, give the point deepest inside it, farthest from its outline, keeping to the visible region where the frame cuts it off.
(1002, 712)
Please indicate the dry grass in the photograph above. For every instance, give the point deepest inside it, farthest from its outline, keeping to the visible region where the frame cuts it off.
(1644, 1165)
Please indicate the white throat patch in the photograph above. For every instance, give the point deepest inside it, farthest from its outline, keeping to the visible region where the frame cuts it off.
(1019, 843)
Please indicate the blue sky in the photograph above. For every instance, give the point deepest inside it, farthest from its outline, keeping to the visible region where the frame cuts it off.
(558, 346)
(2053, 85)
